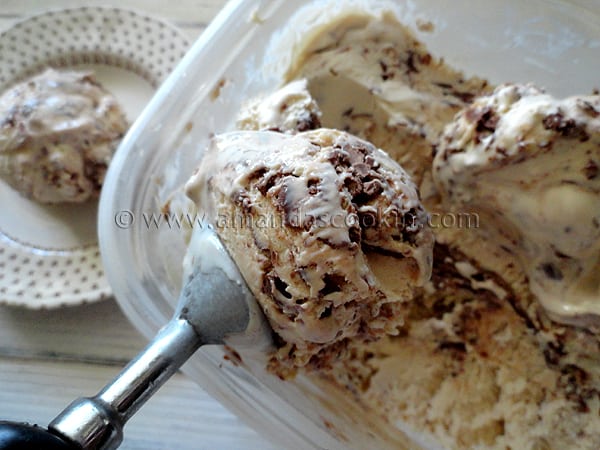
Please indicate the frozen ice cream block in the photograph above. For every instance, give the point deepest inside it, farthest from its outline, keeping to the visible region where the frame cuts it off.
(529, 164)
(469, 371)
(289, 109)
(58, 132)
(477, 363)
(327, 230)
(371, 77)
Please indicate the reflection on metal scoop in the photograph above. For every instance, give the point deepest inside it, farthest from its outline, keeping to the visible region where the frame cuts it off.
(215, 305)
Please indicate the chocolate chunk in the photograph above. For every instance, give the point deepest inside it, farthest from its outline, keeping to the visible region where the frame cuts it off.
(370, 161)
(354, 186)
(588, 108)
(266, 285)
(553, 353)
(356, 152)
(590, 170)
(8, 121)
(361, 169)
(551, 271)
(575, 374)
(478, 277)
(566, 127)
(425, 59)
(313, 186)
(281, 287)
(410, 221)
(309, 121)
(256, 174)
(382, 251)
(289, 206)
(485, 118)
(442, 306)
(410, 63)
(95, 172)
(326, 312)
(338, 158)
(466, 97)
(267, 182)
(337, 245)
(502, 151)
(384, 71)
(453, 346)
(333, 283)
(573, 380)
(443, 85)
(373, 188)
(368, 219)
(354, 233)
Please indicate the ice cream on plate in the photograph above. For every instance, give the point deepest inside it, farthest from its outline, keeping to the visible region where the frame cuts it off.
(58, 132)
(327, 230)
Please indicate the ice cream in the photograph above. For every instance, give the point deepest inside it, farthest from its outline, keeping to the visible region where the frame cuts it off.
(289, 109)
(317, 222)
(58, 132)
(370, 76)
(478, 359)
(469, 370)
(529, 164)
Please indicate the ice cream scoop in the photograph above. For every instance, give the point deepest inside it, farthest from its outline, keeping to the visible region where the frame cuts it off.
(327, 230)
(529, 164)
(214, 306)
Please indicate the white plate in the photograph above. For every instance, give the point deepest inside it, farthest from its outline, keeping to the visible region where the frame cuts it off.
(49, 255)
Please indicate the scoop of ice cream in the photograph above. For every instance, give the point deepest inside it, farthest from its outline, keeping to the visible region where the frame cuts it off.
(326, 229)
(58, 132)
(529, 164)
(372, 77)
(288, 109)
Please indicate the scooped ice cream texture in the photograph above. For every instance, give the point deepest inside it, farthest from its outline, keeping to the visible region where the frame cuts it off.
(289, 109)
(58, 132)
(371, 77)
(476, 364)
(529, 163)
(327, 230)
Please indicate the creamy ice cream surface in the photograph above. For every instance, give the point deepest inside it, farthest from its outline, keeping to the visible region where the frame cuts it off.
(289, 109)
(499, 348)
(370, 76)
(529, 164)
(317, 222)
(58, 132)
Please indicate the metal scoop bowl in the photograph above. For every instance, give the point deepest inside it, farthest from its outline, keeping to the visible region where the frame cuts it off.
(214, 306)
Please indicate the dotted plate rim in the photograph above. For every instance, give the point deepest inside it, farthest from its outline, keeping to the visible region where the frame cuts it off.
(42, 278)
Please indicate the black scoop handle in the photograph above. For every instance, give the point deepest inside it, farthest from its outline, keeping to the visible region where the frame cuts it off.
(22, 436)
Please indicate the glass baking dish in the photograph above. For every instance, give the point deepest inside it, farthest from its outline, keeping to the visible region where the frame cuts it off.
(245, 52)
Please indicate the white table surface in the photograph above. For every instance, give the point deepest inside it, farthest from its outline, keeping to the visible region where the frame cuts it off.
(49, 358)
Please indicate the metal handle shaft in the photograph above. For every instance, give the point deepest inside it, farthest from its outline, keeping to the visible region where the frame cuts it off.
(96, 423)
